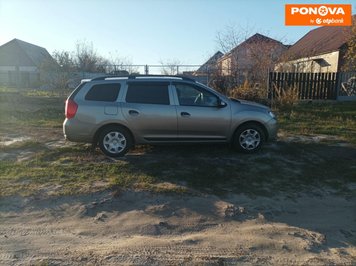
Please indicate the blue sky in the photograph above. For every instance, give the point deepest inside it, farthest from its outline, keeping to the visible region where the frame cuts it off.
(145, 32)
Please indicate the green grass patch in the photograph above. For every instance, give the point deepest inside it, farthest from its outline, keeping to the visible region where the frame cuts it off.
(73, 170)
(65, 168)
(23, 107)
(36, 92)
(336, 119)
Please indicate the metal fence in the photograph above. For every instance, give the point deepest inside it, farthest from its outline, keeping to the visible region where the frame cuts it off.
(148, 69)
(186, 70)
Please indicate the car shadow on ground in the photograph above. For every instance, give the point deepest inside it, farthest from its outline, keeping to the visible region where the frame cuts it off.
(279, 167)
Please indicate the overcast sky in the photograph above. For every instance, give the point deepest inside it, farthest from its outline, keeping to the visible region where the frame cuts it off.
(144, 31)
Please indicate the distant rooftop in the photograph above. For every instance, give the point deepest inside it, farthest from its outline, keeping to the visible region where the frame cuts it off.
(20, 53)
(211, 62)
(257, 38)
(320, 41)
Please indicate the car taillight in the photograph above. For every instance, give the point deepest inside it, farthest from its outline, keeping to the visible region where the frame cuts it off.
(71, 109)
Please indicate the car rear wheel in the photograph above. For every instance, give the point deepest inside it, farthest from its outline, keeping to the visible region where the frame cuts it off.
(115, 141)
(249, 138)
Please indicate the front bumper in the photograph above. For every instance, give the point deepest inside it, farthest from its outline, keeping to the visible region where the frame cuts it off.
(272, 129)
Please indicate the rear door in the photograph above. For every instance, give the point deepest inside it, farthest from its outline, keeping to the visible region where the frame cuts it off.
(148, 111)
(200, 116)
(95, 105)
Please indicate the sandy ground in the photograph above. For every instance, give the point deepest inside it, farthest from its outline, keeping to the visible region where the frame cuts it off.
(135, 227)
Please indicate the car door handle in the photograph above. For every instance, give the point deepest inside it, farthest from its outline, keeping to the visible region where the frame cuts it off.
(185, 114)
(133, 112)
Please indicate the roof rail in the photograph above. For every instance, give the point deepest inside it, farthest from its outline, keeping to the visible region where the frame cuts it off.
(105, 77)
(143, 76)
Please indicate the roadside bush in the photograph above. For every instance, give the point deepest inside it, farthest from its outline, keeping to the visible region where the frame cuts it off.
(222, 83)
(249, 92)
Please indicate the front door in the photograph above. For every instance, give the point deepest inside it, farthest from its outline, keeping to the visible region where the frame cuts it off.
(200, 116)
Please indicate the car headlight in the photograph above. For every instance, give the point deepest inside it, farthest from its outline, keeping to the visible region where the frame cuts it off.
(272, 114)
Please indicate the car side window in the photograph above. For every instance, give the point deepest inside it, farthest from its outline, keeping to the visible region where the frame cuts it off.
(189, 95)
(148, 93)
(103, 92)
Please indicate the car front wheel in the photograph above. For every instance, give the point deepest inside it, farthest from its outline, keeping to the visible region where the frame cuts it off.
(249, 138)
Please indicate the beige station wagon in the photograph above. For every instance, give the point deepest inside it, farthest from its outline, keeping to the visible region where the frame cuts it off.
(119, 112)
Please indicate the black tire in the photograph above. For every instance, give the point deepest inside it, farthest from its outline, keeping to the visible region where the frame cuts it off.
(249, 138)
(115, 141)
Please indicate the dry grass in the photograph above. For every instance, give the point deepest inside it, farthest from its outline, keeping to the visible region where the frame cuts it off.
(249, 92)
(285, 99)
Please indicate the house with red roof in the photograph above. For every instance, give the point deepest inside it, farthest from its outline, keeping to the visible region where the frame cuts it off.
(321, 50)
(251, 58)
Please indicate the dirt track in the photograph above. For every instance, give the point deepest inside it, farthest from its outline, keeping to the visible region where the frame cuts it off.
(135, 227)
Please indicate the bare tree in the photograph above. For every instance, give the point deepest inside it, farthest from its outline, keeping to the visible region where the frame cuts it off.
(67, 67)
(65, 60)
(121, 64)
(63, 70)
(248, 57)
(228, 39)
(263, 57)
(58, 69)
(87, 59)
(170, 67)
(231, 36)
(350, 54)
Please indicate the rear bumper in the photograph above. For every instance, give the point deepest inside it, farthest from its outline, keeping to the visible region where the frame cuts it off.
(73, 131)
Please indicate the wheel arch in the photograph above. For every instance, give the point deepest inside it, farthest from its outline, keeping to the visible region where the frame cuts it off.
(101, 128)
(253, 122)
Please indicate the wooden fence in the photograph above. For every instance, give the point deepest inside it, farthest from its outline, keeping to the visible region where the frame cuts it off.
(310, 86)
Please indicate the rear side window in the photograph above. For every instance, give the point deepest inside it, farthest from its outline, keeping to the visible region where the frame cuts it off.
(149, 93)
(76, 90)
(103, 92)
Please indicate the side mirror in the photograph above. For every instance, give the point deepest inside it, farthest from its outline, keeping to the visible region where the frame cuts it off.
(221, 104)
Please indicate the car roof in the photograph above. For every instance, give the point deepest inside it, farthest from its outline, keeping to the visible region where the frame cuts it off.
(145, 77)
